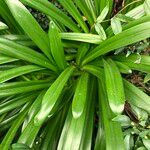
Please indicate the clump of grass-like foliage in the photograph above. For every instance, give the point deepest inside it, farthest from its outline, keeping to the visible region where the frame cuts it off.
(66, 89)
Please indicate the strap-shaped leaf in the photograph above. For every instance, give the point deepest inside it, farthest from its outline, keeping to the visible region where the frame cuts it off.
(71, 8)
(147, 78)
(54, 129)
(5, 59)
(74, 135)
(86, 142)
(57, 47)
(15, 37)
(12, 49)
(20, 39)
(22, 87)
(5, 145)
(137, 97)
(135, 62)
(109, 126)
(80, 96)
(52, 11)
(91, 7)
(30, 26)
(96, 71)
(18, 146)
(33, 110)
(129, 36)
(3, 26)
(52, 95)
(83, 37)
(16, 102)
(123, 68)
(85, 10)
(9, 19)
(29, 133)
(15, 72)
(82, 50)
(147, 7)
(137, 12)
(97, 6)
(114, 87)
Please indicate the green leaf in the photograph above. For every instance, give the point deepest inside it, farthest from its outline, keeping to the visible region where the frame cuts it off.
(147, 7)
(19, 146)
(137, 97)
(100, 138)
(80, 96)
(16, 102)
(137, 22)
(123, 68)
(91, 7)
(83, 37)
(22, 87)
(32, 28)
(20, 39)
(103, 4)
(15, 126)
(29, 129)
(15, 50)
(110, 127)
(129, 142)
(99, 29)
(76, 134)
(9, 19)
(147, 78)
(97, 6)
(135, 62)
(32, 112)
(116, 25)
(5, 59)
(124, 18)
(137, 12)
(123, 120)
(129, 36)
(96, 71)
(52, 11)
(86, 141)
(73, 11)
(146, 143)
(129, 25)
(54, 129)
(103, 14)
(114, 87)
(56, 46)
(3, 26)
(29, 133)
(85, 10)
(82, 50)
(15, 72)
(52, 95)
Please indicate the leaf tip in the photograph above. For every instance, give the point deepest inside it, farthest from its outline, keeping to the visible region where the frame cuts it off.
(117, 109)
(76, 115)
